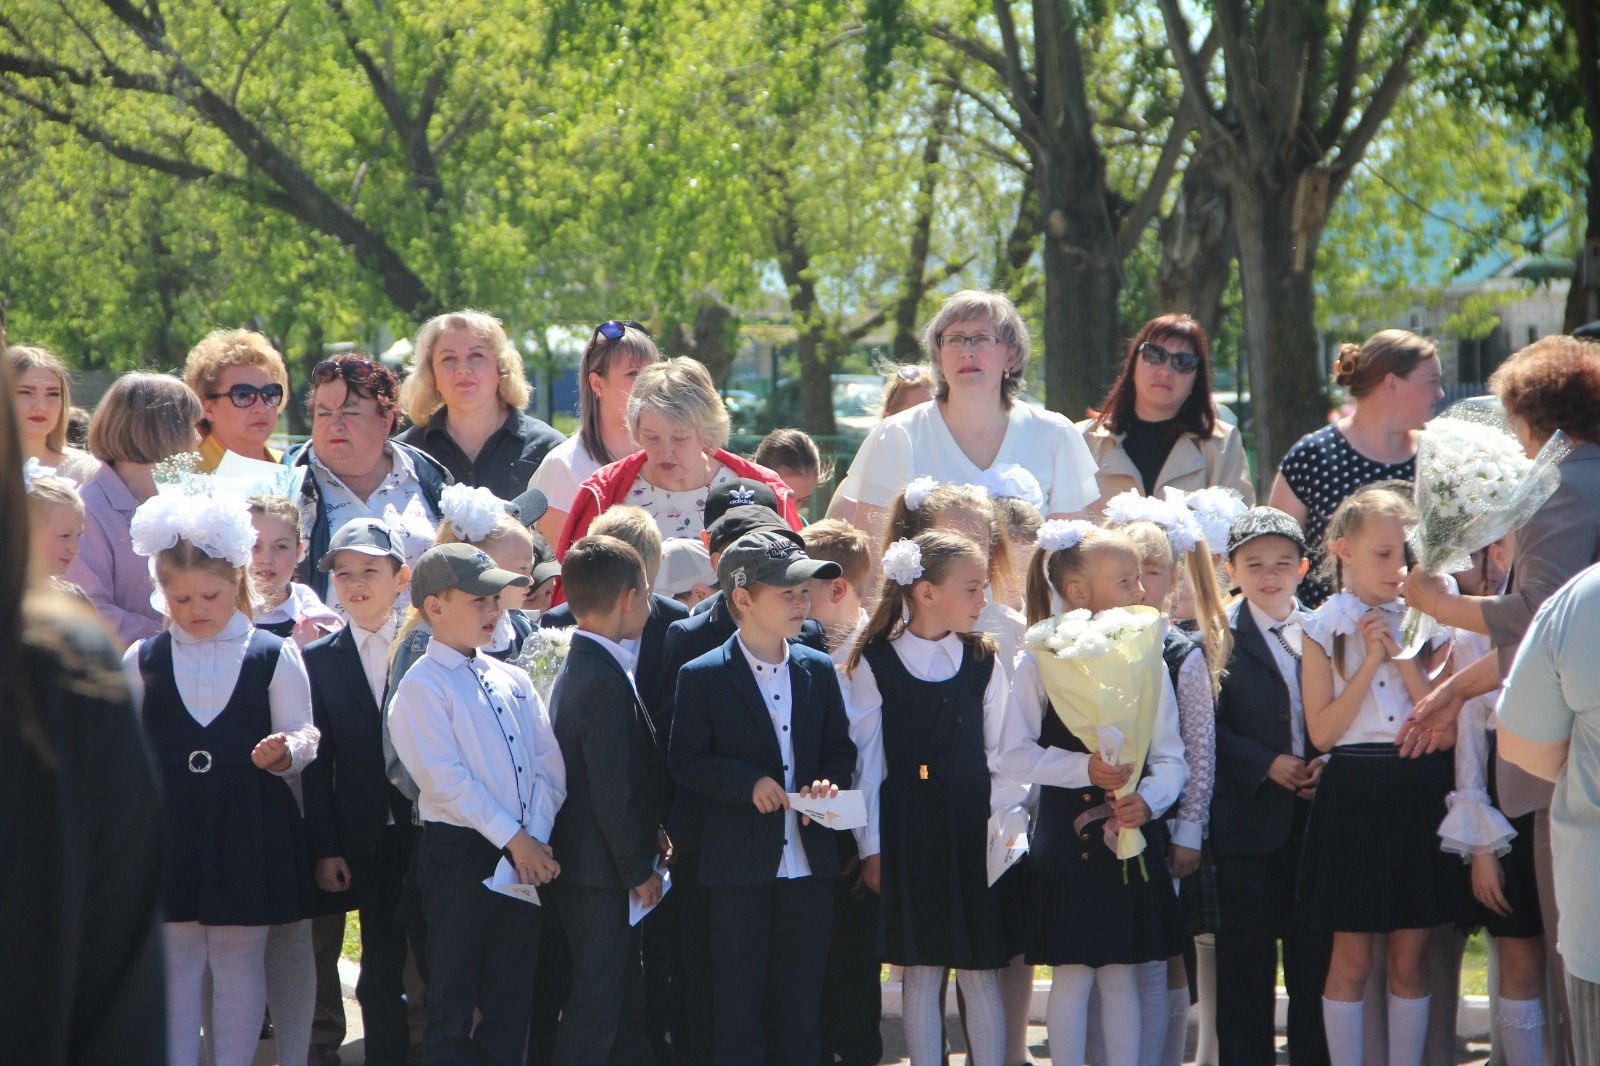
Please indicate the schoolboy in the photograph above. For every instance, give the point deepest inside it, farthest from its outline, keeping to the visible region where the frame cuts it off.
(756, 719)
(475, 737)
(836, 602)
(358, 824)
(1266, 774)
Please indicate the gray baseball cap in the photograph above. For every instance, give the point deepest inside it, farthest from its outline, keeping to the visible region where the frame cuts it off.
(769, 558)
(1264, 522)
(368, 536)
(459, 566)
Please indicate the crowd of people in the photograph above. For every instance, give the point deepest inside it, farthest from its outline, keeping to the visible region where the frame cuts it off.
(553, 716)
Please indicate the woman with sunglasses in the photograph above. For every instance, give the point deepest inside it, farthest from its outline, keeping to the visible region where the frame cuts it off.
(616, 352)
(241, 381)
(1158, 427)
(42, 399)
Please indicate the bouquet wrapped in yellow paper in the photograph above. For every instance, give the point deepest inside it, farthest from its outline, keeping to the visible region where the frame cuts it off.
(1103, 675)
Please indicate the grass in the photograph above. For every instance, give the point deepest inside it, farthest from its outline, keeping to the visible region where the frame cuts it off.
(352, 937)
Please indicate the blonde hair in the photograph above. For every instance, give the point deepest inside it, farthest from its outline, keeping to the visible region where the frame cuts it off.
(900, 380)
(681, 390)
(970, 305)
(144, 418)
(906, 522)
(1049, 571)
(635, 528)
(940, 551)
(836, 541)
(184, 555)
(1216, 639)
(23, 359)
(224, 348)
(284, 510)
(54, 492)
(419, 394)
(1362, 368)
(635, 345)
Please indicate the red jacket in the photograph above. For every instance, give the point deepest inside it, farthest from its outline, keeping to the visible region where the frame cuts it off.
(609, 486)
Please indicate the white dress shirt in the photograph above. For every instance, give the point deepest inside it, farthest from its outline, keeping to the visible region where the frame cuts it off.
(207, 672)
(1288, 666)
(840, 652)
(773, 681)
(1386, 705)
(926, 660)
(373, 646)
(301, 603)
(1006, 625)
(475, 737)
(1022, 759)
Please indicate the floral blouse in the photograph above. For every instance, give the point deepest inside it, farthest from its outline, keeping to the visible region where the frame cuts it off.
(677, 514)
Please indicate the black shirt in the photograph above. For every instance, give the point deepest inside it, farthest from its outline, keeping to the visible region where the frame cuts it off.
(1148, 444)
(505, 463)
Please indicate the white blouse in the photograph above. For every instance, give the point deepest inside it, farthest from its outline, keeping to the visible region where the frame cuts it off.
(926, 660)
(302, 603)
(918, 443)
(207, 672)
(1386, 705)
(563, 469)
(1006, 625)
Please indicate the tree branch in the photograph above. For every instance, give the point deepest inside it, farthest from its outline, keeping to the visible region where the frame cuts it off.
(1026, 139)
(1379, 105)
(1345, 75)
(997, 62)
(1191, 71)
(1149, 202)
(1244, 86)
(255, 50)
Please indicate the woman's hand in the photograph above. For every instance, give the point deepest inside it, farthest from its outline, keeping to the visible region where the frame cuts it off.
(1431, 724)
(1106, 775)
(1489, 882)
(272, 753)
(1182, 861)
(1423, 590)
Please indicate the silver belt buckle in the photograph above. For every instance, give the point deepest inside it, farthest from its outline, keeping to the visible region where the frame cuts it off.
(199, 762)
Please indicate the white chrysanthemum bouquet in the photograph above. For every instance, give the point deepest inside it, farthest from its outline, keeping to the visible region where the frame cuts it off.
(1082, 635)
(542, 655)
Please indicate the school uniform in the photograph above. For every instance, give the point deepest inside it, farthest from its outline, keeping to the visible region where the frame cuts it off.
(301, 603)
(474, 735)
(768, 879)
(648, 651)
(1257, 835)
(1372, 860)
(606, 837)
(353, 812)
(1084, 906)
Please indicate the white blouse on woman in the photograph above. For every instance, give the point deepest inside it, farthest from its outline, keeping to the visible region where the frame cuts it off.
(564, 468)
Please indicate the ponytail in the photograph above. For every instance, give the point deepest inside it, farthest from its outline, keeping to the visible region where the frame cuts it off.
(1210, 617)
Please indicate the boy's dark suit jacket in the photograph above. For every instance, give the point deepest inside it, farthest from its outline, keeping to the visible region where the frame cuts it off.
(348, 797)
(647, 671)
(1251, 815)
(605, 834)
(723, 742)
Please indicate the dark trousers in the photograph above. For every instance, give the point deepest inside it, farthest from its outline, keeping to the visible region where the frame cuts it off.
(852, 995)
(604, 1021)
(660, 958)
(552, 982)
(1256, 898)
(690, 955)
(480, 945)
(769, 948)
(381, 988)
(327, 1020)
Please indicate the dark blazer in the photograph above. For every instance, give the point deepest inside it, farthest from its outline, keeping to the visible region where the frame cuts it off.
(605, 834)
(348, 796)
(1250, 815)
(647, 671)
(723, 743)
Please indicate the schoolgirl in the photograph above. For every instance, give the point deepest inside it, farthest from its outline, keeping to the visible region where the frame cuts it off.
(55, 526)
(288, 609)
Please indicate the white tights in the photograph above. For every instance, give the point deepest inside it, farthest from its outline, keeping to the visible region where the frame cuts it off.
(1067, 1015)
(236, 955)
(291, 989)
(923, 1015)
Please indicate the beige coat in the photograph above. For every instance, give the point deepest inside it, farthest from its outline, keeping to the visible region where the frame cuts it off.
(1192, 464)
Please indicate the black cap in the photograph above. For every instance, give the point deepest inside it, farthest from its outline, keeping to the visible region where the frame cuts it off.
(750, 519)
(740, 492)
(1264, 522)
(769, 558)
(529, 507)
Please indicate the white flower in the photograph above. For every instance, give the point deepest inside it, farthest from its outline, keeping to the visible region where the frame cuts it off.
(1080, 635)
(902, 563)
(472, 511)
(1061, 534)
(918, 490)
(1214, 509)
(218, 524)
(1172, 515)
(1013, 479)
(32, 471)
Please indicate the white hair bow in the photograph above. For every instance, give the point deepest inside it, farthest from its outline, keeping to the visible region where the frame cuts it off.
(472, 511)
(218, 524)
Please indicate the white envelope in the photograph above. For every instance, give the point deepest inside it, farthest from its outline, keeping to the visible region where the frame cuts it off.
(847, 810)
(504, 881)
(637, 910)
(1008, 840)
(253, 477)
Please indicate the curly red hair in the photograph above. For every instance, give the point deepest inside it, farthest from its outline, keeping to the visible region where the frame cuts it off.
(1553, 383)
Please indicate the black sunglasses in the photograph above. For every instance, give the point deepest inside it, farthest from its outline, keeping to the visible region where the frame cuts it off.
(246, 395)
(1182, 362)
(353, 371)
(613, 329)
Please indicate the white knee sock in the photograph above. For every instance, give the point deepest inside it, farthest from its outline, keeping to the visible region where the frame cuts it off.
(986, 1016)
(1408, 1029)
(185, 944)
(1067, 1012)
(237, 955)
(1119, 1013)
(1342, 1022)
(1521, 1031)
(923, 1015)
(291, 989)
(1152, 1011)
(1177, 1027)
(1016, 992)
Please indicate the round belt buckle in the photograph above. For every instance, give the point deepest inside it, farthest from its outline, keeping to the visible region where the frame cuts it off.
(199, 762)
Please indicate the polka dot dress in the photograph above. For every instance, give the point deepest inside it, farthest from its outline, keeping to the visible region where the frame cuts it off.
(1322, 469)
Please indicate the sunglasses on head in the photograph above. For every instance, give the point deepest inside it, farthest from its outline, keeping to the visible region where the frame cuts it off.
(614, 329)
(247, 395)
(1182, 362)
(353, 371)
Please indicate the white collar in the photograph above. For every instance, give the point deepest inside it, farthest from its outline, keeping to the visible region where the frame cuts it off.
(624, 657)
(236, 627)
(924, 651)
(384, 632)
(399, 464)
(448, 657)
(758, 664)
(1265, 622)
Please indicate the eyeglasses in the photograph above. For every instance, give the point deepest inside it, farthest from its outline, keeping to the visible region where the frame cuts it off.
(613, 329)
(1182, 362)
(353, 371)
(247, 395)
(955, 342)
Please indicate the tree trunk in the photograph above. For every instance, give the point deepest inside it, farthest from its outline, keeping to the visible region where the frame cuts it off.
(1279, 324)
(1583, 300)
(906, 347)
(1082, 278)
(817, 359)
(1197, 248)
(300, 392)
(709, 339)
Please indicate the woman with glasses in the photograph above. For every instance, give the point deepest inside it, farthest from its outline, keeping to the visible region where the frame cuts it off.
(241, 381)
(465, 396)
(1158, 427)
(42, 400)
(615, 354)
(974, 431)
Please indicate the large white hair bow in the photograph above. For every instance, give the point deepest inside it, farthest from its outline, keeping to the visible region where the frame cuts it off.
(1013, 479)
(1215, 509)
(1062, 534)
(218, 524)
(1173, 516)
(472, 511)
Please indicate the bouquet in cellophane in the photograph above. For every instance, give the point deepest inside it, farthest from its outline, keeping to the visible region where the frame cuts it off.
(541, 657)
(1475, 484)
(1103, 674)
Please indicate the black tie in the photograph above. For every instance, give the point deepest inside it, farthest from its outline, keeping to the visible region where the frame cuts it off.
(1277, 631)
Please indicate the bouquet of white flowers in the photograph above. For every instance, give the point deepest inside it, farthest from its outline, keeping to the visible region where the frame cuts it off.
(1474, 485)
(542, 655)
